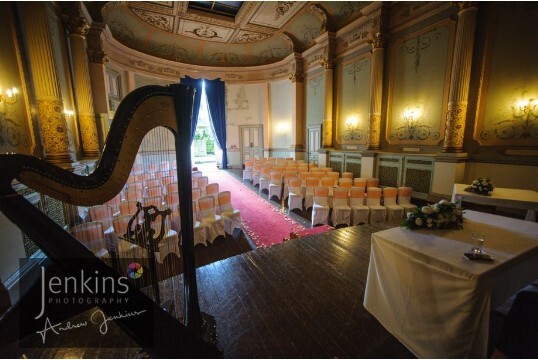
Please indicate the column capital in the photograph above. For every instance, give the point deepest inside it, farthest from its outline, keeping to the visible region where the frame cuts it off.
(464, 5)
(74, 20)
(377, 40)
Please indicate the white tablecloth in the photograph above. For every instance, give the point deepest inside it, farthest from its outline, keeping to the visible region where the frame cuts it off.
(436, 302)
(511, 198)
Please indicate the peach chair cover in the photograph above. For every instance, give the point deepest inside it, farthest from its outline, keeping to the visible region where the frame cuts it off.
(153, 182)
(202, 183)
(143, 177)
(137, 169)
(165, 165)
(154, 191)
(360, 182)
(171, 198)
(167, 180)
(128, 207)
(162, 173)
(347, 175)
(231, 216)
(115, 203)
(295, 194)
(214, 223)
(311, 183)
(173, 173)
(371, 182)
(359, 211)
(136, 185)
(213, 190)
(341, 213)
(133, 194)
(378, 213)
(256, 173)
(275, 185)
(345, 183)
(288, 174)
(247, 172)
(172, 187)
(152, 168)
(153, 200)
(404, 198)
(395, 212)
(320, 207)
(196, 175)
(92, 236)
(103, 214)
(200, 230)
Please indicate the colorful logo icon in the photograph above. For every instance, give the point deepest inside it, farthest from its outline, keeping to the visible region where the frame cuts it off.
(135, 270)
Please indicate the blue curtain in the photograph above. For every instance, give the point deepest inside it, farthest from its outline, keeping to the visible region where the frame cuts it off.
(214, 90)
(197, 84)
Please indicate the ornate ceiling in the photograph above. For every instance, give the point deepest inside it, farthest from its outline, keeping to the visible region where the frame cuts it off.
(262, 32)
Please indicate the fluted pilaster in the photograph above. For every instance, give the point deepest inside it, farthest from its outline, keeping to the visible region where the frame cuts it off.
(376, 92)
(78, 29)
(460, 78)
(52, 123)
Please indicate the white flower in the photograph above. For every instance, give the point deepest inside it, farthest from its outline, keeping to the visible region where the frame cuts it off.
(430, 225)
(429, 221)
(442, 202)
(427, 210)
(418, 221)
(409, 214)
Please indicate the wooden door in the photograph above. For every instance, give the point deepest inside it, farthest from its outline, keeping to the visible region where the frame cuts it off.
(314, 143)
(251, 142)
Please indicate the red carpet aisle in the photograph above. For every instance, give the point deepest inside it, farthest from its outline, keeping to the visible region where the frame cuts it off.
(264, 223)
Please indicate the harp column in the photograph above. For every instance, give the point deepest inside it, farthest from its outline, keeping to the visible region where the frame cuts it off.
(78, 28)
(49, 103)
(460, 77)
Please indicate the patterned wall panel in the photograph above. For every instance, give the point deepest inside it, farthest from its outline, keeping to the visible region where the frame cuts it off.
(336, 162)
(419, 180)
(353, 164)
(388, 176)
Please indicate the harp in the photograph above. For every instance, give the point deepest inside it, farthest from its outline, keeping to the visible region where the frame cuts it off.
(141, 111)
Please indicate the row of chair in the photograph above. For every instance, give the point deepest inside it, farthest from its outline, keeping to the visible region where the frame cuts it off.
(353, 206)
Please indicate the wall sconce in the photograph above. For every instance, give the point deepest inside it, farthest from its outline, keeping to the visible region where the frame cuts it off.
(68, 113)
(523, 122)
(351, 129)
(9, 97)
(411, 125)
(283, 129)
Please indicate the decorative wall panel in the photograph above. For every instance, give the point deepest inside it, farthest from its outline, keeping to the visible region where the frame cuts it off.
(508, 113)
(315, 99)
(353, 100)
(418, 85)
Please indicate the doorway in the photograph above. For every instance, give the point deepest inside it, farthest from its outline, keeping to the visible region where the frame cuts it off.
(251, 142)
(204, 149)
(314, 143)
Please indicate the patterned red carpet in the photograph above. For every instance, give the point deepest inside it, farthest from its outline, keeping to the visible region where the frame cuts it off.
(264, 223)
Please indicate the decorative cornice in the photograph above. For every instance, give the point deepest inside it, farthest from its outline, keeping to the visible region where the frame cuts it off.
(377, 40)
(321, 14)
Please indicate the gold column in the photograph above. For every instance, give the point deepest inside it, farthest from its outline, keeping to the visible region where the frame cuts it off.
(297, 116)
(460, 78)
(78, 28)
(376, 91)
(327, 62)
(50, 108)
(97, 60)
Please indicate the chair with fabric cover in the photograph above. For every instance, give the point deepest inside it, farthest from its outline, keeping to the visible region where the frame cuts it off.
(231, 216)
(152, 168)
(202, 183)
(115, 203)
(404, 198)
(153, 183)
(295, 194)
(156, 201)
(91, 235)
(128, 207)
(359, 211)
(345, 183)
(173, 173)
(172, 187)
(311, 183)
(213, 190)
(133, 194)
(275, 185)
(213, 222)
(171, 198)
(247, 172)
(165, 165)
(103, 214)
(199, 229)
(167, 180)
(347, 175)
(143, 177)
(378, 213)
(341, 211)
(172, 202)
(288, 174)
(136, 185)
(371, 182)
(196, 174)
(265, 178)
(395, 212)
(137, 169)
(161, 174)
(320, 207)
(154, 191)
(360, 182)
(256, 173)
(281, 161)
(126, 249)
(169, 244)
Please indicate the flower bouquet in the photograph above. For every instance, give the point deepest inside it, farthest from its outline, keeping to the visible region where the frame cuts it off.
(482, 186)
(443, 215)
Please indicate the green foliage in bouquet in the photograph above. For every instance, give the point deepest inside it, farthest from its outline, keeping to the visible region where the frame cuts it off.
(443, 215)
(482, 186)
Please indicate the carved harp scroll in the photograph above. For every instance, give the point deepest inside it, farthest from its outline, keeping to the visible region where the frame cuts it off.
(140, 111)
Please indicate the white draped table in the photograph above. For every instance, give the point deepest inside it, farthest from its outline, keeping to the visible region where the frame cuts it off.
(436, 302)
(511, 198)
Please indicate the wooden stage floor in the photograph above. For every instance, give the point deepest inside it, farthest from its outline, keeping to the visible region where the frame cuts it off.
(299, 299)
